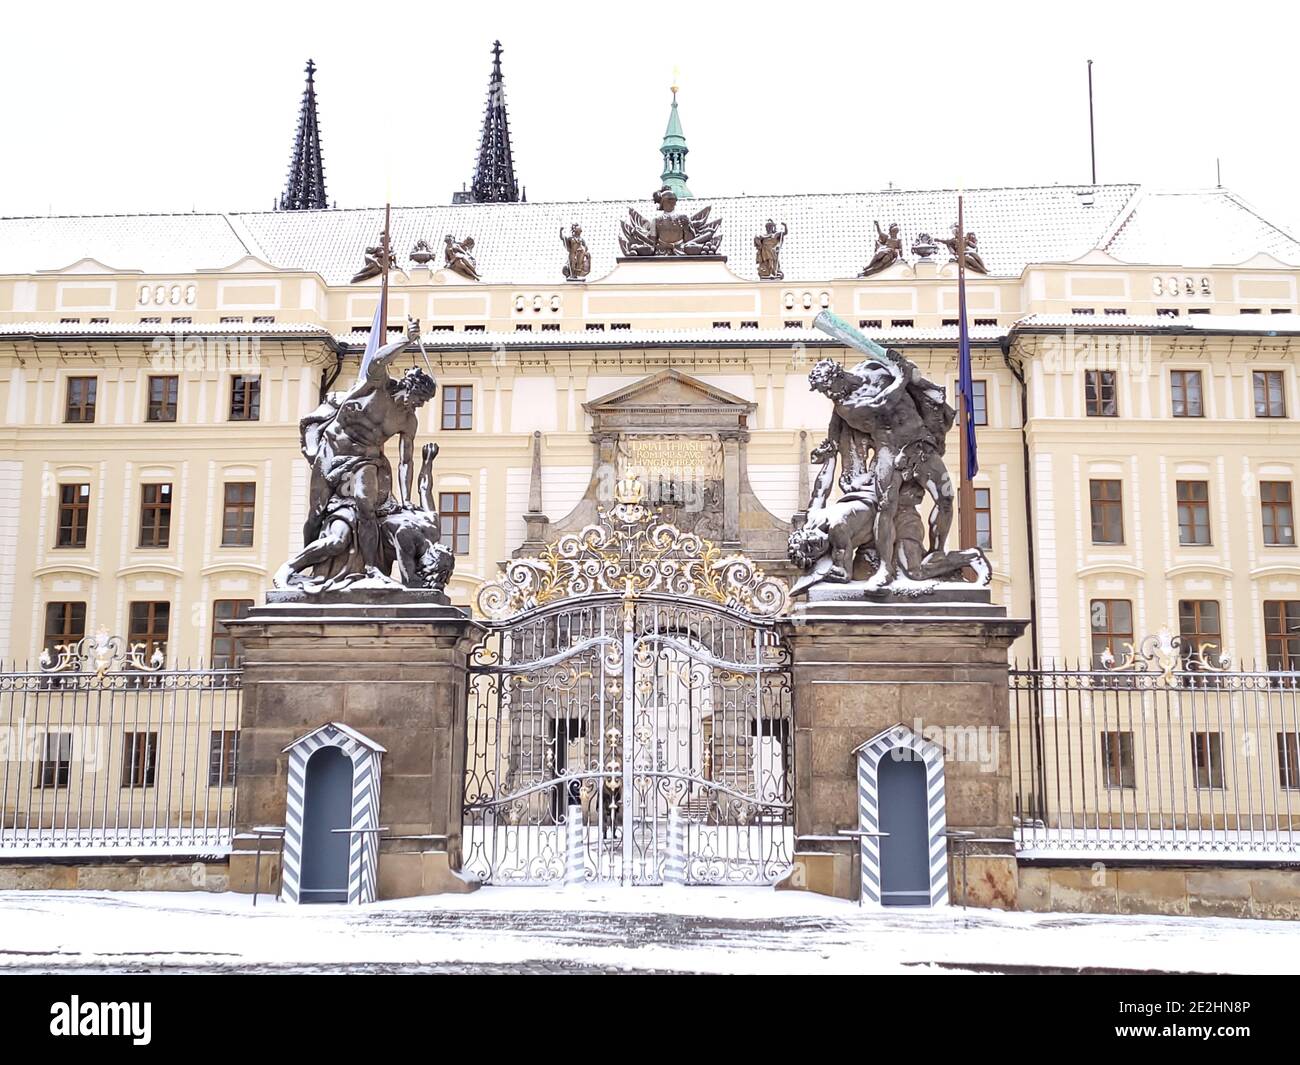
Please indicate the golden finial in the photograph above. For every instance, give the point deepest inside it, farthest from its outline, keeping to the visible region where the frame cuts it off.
(676, 77)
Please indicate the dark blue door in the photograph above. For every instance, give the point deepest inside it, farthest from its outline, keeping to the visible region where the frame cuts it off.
(904, 853)
(327, 805)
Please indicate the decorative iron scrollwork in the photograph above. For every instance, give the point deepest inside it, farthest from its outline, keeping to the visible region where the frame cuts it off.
(101, 653)
(631, 553)
(1166, 653)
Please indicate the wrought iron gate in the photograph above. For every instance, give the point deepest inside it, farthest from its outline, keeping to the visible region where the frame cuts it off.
(632, 694)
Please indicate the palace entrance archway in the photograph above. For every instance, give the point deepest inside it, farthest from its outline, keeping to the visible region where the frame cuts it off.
(631, 689)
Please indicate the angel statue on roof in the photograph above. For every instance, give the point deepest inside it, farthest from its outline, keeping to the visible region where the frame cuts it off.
(671, 232)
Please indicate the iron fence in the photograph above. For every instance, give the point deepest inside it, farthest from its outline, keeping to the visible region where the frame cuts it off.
(106, 751)
(1168, 752)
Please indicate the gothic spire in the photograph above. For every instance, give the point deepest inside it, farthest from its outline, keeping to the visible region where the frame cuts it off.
(494, 173)
(674, 152)
(304, 189)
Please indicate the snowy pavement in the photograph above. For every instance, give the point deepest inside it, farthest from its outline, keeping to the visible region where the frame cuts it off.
(544, 930)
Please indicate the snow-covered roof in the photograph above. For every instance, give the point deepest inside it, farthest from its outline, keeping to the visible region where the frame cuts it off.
(1254, 324)
(831, 234)
(82, 328)
(625, 338)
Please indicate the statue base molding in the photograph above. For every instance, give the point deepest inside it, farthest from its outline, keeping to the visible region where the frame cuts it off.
(390, 663)
(864, 669)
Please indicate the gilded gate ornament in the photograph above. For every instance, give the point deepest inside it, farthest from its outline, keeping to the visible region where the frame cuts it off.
(631, 553)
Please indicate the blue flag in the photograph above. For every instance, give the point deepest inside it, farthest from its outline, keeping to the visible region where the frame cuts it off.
(372, 345)
(964, 383)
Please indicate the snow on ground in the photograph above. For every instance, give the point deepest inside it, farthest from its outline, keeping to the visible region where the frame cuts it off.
(736, 930)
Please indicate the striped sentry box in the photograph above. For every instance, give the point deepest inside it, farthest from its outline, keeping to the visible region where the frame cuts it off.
(870, 755)
(675, 858)
(575, 864)
(363, 853)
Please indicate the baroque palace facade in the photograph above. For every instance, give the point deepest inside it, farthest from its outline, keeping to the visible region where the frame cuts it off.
(1134, 353)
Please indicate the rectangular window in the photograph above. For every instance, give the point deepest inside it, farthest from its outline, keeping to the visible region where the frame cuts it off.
(869, 323)
(1199, 626)
(82, 392)
(1193, 513)
(155, 515)
(980, 402)
(721, 325)
(986, 321)
(149, 622)
(1186, 389)
(453, 511)
(983, 519)
(151, 320)
(55, 765)
(1099, 394)
(1111, 622)
(793, 323)
(458, 407)
(550, 327)
(1107, 512)
(1279, 518)
(221, 757)
(1115, 310)
(184, 319)
(1207, 759)
(245, 398)
(65, 623)
(595, 327)
(1270, 394)
(232, 319)
(1083, 310)
(1288, 759)
(1117, 760)
(902, 323)
(74, 515)
(139, 759)
(162, 399)
(1166, 312)
(227, 651)
(263, 319)
(1282, 634)
(523, 327)
(238, 511)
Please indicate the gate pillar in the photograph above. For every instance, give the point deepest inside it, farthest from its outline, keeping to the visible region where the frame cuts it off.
(861, 667)
(389, 665)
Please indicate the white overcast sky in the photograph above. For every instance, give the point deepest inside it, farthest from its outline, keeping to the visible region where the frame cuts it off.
(121, 107)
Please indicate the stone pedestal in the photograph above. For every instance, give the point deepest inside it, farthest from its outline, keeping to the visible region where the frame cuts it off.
(390, 664)
(939, 668)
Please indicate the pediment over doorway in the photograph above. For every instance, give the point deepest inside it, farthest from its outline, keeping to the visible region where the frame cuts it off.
(669, 399)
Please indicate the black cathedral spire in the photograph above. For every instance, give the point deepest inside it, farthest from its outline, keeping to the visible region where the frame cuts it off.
(304, 189)
(494, 173)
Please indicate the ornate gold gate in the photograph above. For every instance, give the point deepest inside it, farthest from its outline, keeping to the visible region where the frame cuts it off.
(629, 713)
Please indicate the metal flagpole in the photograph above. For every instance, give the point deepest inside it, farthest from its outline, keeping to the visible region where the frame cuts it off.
(1092, 130)
(966, 489)
(386, 249)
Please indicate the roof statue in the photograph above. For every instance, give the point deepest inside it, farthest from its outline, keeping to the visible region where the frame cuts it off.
(889, 250)
(494, 171)
(973, 259)
(768, 250)
(458, 258)
(886, 435)
(304, 188)
(421, 253)
(674, 150)
(579, 264)
(924, 248)
(361, 521)
(670, 232)
(373, 265)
